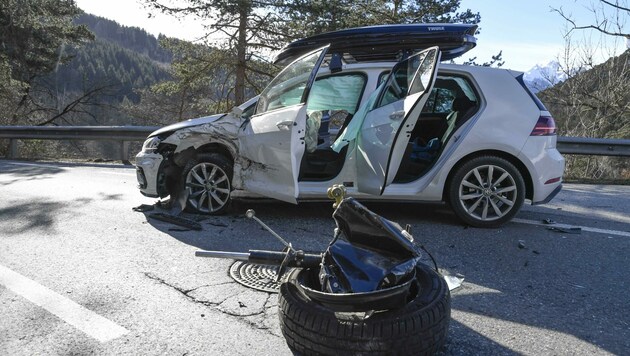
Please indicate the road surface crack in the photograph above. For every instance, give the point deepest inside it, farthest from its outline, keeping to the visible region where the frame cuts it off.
(245, 318)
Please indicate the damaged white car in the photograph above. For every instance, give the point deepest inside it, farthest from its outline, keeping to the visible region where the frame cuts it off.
(373, 109)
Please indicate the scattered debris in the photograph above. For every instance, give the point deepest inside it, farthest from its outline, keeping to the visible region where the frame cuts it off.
(177, 220)
(453, 282)
(521, 244)
(535, 252)
(568, 230)
(578, 286)
(562, 227)
(143, 207)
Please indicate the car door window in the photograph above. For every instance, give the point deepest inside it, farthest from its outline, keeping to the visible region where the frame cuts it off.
(443, 95)
(288, 87)
(401, 82)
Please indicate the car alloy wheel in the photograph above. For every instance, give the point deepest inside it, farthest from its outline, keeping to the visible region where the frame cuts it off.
(487, 191)
(208, 184)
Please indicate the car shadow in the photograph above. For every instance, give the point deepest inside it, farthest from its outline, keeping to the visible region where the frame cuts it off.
(300, 224)
(233, 231)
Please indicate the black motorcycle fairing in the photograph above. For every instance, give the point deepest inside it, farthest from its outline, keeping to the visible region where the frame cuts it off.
(362, 227)
(369, 253)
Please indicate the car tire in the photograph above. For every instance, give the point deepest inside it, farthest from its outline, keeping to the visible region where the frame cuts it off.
(486, 191)
(208, 183)
(417, 328)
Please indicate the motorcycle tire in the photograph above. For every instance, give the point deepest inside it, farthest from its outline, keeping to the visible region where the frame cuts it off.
(417, 328)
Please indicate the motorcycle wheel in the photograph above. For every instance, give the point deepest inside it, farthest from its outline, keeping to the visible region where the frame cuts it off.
(417, 328)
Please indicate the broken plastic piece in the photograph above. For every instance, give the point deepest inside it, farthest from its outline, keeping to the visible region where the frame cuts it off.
(453, 282)
(568, 230)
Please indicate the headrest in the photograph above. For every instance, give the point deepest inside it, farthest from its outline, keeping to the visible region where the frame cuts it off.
(462, 104)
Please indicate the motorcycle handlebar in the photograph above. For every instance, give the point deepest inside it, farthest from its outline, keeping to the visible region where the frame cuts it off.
(301, 259)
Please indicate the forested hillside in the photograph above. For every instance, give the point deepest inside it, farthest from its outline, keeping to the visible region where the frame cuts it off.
(121, 59)
(59, 66)
(131, 38)
(106, 63)
(595, 102)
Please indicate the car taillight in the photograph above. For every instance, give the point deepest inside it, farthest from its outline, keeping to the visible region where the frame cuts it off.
(544, 127)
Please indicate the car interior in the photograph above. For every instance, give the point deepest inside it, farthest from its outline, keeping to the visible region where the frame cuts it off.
(451, 103)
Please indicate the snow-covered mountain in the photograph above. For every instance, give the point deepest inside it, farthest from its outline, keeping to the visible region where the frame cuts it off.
(543, 76)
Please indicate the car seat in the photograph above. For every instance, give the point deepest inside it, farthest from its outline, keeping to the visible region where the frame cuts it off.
(426, 153)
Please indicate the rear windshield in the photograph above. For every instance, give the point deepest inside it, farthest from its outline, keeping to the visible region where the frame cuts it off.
(539, 103)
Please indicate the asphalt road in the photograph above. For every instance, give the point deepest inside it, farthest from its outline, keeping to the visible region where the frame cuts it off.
(81, 273)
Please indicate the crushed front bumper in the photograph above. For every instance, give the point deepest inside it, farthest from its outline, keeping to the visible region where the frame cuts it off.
(147, 171)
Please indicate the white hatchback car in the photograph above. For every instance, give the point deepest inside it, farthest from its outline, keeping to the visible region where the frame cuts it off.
(373, 109)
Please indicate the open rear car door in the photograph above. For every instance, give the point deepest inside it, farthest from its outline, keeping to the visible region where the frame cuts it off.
(273, 139)
(387, 127)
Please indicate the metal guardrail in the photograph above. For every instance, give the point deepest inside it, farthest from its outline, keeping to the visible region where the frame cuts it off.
(125, 134)
(593, 146)
(122, 134)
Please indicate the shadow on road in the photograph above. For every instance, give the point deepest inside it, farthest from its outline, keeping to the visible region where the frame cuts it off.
(20, 173)
(520, 285)
(23, 217)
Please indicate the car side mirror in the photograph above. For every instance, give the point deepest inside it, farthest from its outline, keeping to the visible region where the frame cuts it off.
(237, 112)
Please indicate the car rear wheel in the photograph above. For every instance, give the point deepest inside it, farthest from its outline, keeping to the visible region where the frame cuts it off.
(208, 183)
(416, 328)
(487, 191)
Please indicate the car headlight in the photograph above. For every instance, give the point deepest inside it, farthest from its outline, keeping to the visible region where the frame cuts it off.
(151, 145)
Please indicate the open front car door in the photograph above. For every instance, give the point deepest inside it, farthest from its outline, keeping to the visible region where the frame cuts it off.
(273, 139)
(387, 127)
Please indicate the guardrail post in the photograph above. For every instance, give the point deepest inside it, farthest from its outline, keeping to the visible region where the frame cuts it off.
(13, 148)
(124, 152)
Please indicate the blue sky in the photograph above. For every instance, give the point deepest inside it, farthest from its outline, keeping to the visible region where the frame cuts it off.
(527, 32)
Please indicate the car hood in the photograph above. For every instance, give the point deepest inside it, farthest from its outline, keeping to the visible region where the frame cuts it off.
(188, 123)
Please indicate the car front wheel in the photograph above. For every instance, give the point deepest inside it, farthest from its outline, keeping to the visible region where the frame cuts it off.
(486, 191)
(208, 183)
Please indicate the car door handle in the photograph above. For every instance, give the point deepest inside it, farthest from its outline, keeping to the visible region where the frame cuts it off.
(284, 124)
(397, 115)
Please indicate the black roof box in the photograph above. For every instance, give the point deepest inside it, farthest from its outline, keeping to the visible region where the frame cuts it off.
(386, 42)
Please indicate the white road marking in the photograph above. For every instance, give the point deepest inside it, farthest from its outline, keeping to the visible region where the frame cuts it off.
(33, 165)
(122, 173)
(130, 173)
(565, 226)
(72, 313)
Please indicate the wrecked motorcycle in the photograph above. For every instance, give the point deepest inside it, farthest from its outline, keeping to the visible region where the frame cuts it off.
(367, 293)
